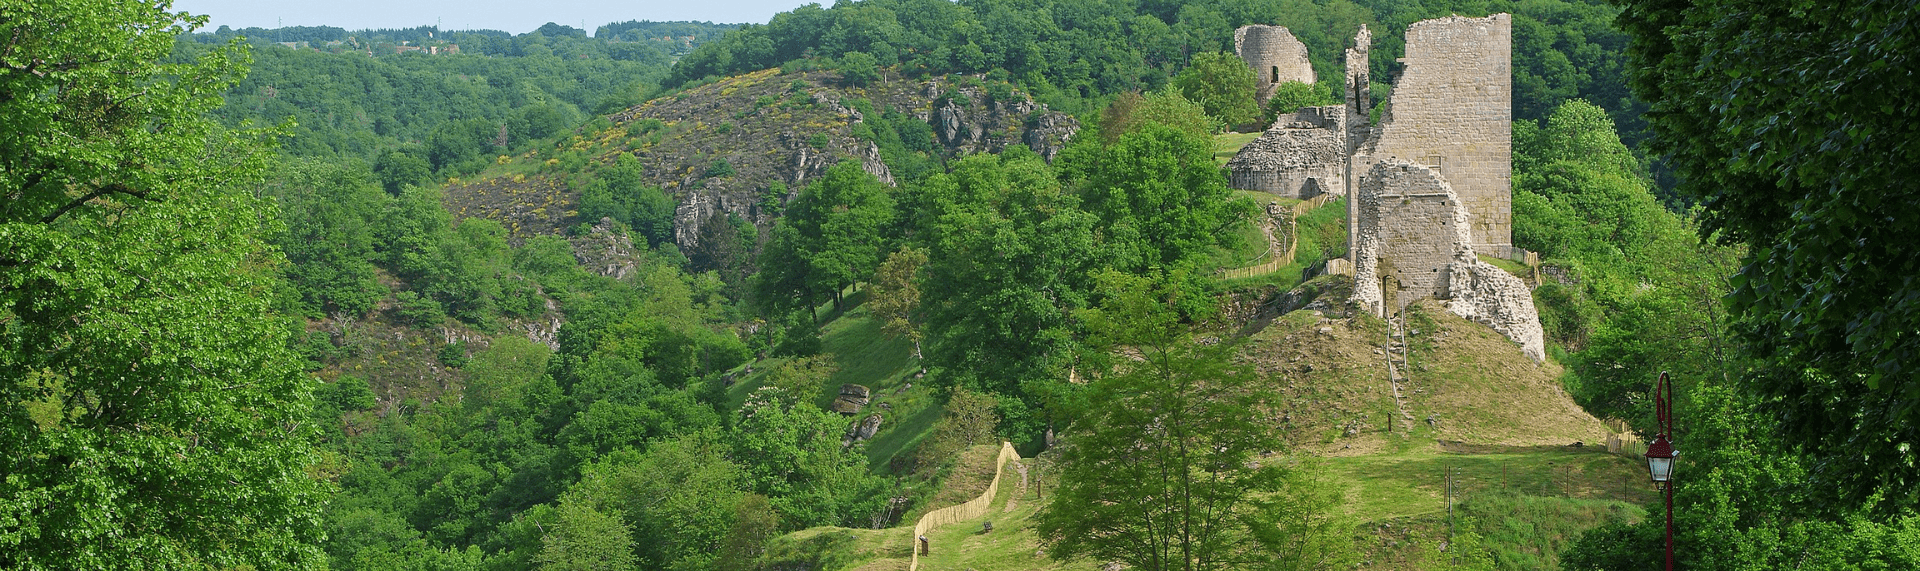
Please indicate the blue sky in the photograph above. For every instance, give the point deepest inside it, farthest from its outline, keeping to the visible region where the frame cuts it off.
(516, 16)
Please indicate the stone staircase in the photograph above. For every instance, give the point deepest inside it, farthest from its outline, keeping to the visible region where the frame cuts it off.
(1397, 369)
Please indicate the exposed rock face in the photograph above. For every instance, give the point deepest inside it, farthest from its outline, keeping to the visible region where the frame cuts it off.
(606, 252)
(790, 128)
(973, 123)
(863, 430)
(851, 399)
(1275, 56)
(1303, 155)
(1414, 243)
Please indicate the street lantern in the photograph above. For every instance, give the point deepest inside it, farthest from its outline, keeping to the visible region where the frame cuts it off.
(1660, 453)
(1660, 457)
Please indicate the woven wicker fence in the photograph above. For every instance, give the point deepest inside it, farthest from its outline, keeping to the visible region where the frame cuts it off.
(1288, 253)
(972, 509)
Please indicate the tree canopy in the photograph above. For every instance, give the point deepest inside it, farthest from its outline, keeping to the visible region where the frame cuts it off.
(1790, 124)
(154, 415)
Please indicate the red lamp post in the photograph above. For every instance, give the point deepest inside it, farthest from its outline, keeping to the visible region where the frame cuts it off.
(1660, 453)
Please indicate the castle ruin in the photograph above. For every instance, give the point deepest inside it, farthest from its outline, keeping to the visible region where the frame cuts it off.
(1275, 56)
(1429, 185)
(1304, 155)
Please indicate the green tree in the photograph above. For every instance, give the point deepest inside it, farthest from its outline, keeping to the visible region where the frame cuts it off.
(1162, 201)
(1009, 254)
(586, 539)
(1223, 84)
(331, 212)
(831, 236)
(398, 169)
(1169, 472)
(802, 467)
(151, 414)
(679, 497)
(1289, 96)
(1797, 141)
(620, 192)
(754, 524)
(895, 295)
(858, 69)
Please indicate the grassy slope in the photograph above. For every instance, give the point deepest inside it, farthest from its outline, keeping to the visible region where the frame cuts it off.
(1225, 145)
(866, 356)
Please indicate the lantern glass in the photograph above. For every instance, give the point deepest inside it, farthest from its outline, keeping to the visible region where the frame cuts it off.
(1662, 468)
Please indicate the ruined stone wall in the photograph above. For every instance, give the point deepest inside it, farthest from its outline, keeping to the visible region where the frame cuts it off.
(1358, 99)
(1452, 110)
(1414, 243)
(1275, 56)
(1302, 156)
(1414, 221)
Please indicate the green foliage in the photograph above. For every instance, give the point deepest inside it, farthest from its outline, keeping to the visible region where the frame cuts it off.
(1290, 96)
(619, 192)
(1167, 473)
(586, 539)
(351, 95)
(1073, 55)
(810, 478)
(1131, 111)
(347, 393)
(967, 419)
(858, 69)
(1009, 257)
(679, 497)
(1222, 84)
(831, 236)
(1529, 532)
(719, 169)
(331, 213)
(1809, 169)
(1627, 286)
(1742, 502)
(895, 295)
(133, 282)
(1161, 200)
(397, 170)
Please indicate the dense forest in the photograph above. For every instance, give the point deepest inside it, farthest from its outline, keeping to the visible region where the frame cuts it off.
(245, 326)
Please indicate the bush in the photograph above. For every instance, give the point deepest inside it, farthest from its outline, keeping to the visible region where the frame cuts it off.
(453, 354)
(413, 309)
(858, 69)
(720, 169)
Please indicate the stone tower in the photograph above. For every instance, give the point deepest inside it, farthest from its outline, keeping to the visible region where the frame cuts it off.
(1275, 56)
(1452, 110)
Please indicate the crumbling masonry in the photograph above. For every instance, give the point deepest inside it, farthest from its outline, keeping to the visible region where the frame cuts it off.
(1430, 184)
(1415, 243)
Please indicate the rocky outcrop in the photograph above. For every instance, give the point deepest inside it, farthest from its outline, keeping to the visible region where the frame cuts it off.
(966, 120)
(606, 252)
(1414, 243)
(863, 430)
(851, 399)
(789, 128)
